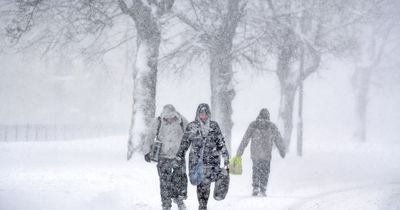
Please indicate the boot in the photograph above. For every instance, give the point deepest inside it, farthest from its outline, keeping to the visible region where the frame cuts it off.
(255, 191)
(263, 192)
(202, 207)
(181, 205)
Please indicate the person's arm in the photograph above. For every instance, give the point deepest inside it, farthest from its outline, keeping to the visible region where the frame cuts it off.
(184, 121)
(185, 143)
(150, 135)
(245, 141)
(278, 140)
(221, 146)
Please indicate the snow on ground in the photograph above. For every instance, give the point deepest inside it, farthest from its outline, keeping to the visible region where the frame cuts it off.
(93, 174)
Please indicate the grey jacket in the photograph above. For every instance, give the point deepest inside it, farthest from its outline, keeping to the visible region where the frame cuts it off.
(170, 133)
(262, 133)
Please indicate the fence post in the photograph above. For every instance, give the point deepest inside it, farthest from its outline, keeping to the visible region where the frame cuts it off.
(5, 132)
(55, 132)
(27, 132)
(16, 132)
(36, 132)
(45, 132)
(64, 128)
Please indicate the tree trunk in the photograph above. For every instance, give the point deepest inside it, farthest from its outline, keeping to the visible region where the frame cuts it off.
(300, 108)
(361, 84)
(286, 106)
(221, 73)
(373, 53)
(222, 91)
(288, 83)
(144, 93)
(144, 77)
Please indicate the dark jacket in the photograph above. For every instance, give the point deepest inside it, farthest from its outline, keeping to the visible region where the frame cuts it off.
(262, 133)
(195, 138)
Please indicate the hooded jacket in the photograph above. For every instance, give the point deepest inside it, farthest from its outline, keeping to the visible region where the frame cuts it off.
(170, 133)
(207, 134)
(262, 133)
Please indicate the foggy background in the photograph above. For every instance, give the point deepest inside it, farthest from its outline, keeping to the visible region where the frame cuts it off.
(82, 77)
(33, 92)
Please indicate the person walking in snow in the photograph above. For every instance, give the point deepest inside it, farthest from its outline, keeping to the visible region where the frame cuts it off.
(168, 129)
(207, 145)
(262, 133)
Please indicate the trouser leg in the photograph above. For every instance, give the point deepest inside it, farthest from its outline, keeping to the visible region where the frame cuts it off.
(256, 175)
(203, 193)
(264, 171)
(179, 202)
(164, 167)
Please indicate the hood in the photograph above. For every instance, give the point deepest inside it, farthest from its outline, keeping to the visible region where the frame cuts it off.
(205, 107)
(264, 114)
(169, 111)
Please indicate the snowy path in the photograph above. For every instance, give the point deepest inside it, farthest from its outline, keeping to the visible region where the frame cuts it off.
(382, 196)
(92, 174)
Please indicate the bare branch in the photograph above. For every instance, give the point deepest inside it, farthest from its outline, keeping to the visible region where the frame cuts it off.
(379, 54)
(124, 7)
(316, 60)
(117, 45)
(249, 43)
(187, 21)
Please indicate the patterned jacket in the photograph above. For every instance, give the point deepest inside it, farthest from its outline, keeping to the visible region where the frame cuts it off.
(213, 143)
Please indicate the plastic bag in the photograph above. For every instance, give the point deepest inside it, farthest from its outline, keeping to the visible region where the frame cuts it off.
(196, 175)
(221, 185)
(235, 165)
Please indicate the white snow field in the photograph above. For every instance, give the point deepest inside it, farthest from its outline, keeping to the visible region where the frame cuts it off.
(94, 174)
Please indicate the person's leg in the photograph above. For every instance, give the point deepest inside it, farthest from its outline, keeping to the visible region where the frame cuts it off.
(180, 182)
(203, 192)
(256, 177)
(265, 169)
(179, 202)
(165, 172)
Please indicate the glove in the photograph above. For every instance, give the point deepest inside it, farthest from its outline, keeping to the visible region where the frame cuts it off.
(147, 157)
(226, 165)
(283, 153)
(177, 162)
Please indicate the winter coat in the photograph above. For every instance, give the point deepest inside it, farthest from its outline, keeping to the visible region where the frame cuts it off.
(170, 133)
(262, 133)
(211, 137)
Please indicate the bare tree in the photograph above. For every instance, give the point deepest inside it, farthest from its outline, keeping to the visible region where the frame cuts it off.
(303, 32)
(62, 22)
(216, 23)
(376, 27)
(147, 17)
(298, 32)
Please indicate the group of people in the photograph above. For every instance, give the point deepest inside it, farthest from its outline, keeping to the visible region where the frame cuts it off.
(207, 146)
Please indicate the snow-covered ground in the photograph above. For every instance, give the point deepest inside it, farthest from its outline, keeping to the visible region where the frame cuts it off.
(93, 174)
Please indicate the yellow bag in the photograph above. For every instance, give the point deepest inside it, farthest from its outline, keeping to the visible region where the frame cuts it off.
(235, 165)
